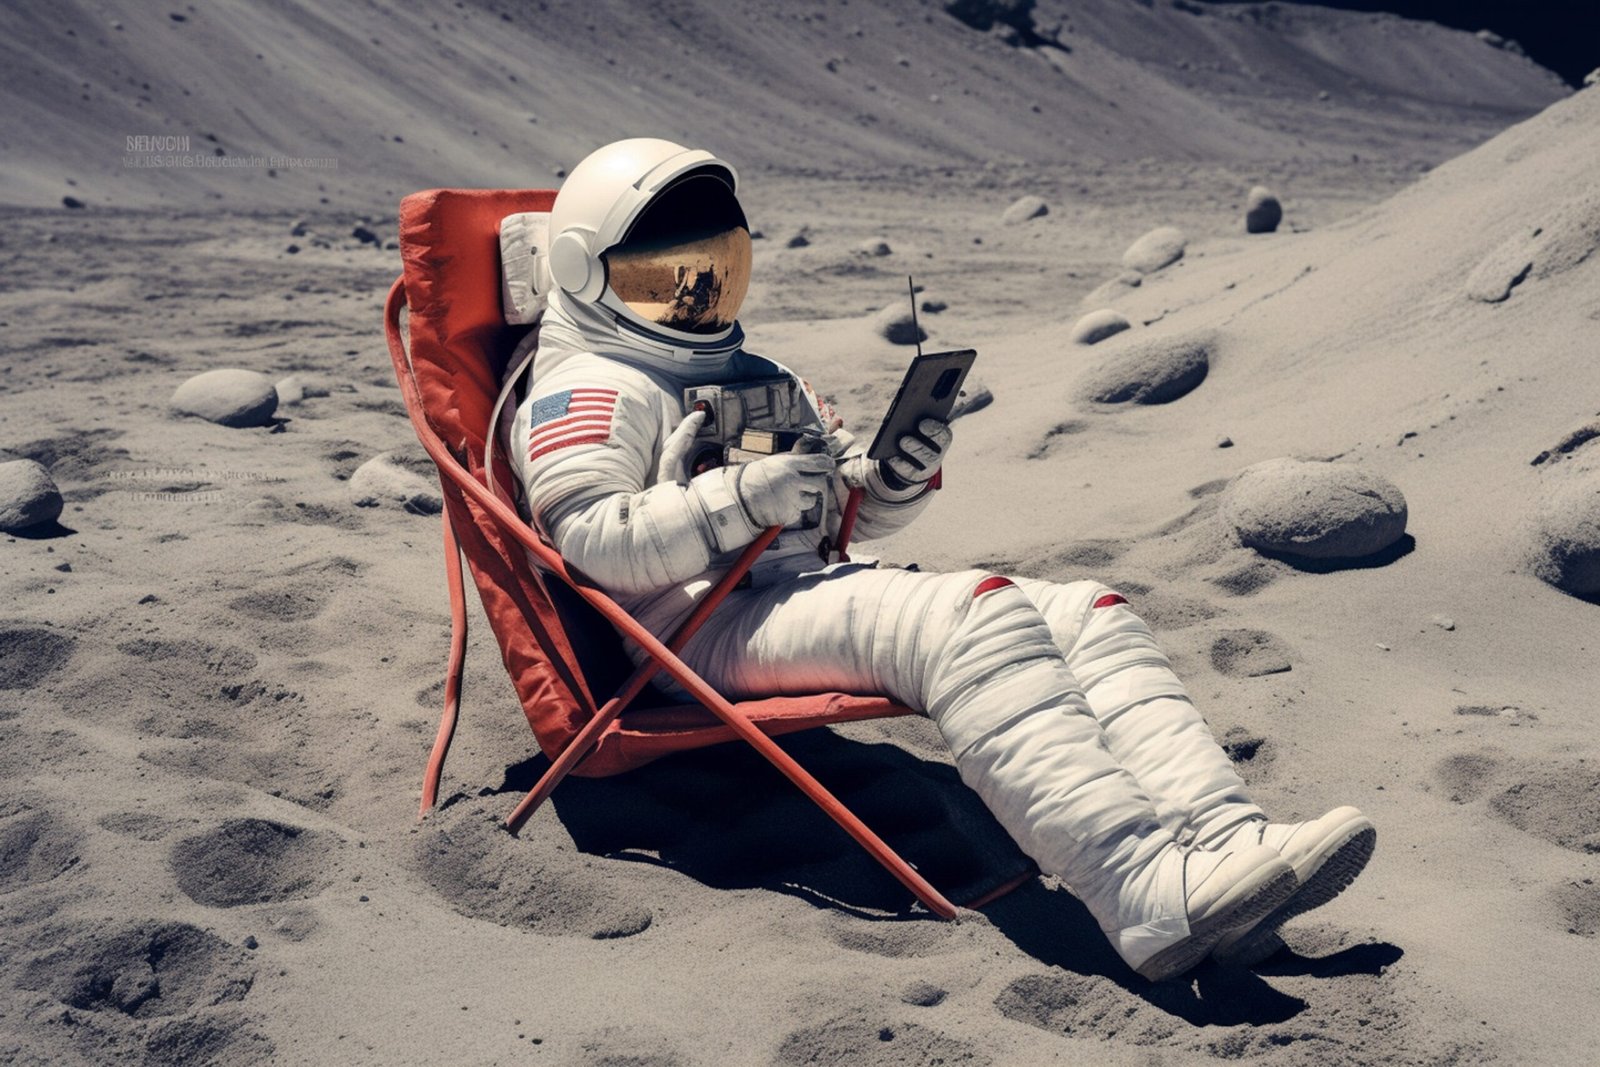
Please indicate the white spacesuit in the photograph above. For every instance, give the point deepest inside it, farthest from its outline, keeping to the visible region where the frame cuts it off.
(1058, 706)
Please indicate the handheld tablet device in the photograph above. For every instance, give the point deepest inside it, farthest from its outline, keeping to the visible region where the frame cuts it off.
(929, 391)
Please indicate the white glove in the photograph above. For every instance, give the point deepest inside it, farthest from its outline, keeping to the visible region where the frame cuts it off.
(675, 452)
(779, 490)
(920, 456)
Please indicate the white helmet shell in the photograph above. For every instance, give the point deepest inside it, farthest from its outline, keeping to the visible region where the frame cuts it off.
(597, 204)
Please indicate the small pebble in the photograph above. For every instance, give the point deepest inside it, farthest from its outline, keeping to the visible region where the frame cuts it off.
(1097, 326)
(1443, 622)
(877, 246)
(1224, 442)
(1023, 209)
(1159, 248)
(396, 479)
(1262, 211)
(896, 325)
(251, 942)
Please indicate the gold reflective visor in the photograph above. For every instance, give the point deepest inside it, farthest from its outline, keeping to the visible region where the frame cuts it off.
(695, 285)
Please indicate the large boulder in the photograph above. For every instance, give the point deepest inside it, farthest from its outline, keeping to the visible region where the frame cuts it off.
(1566, 535)
(28, 495)
(1160, 247)
(228, 397)
(1314, 510)
(1156, 371)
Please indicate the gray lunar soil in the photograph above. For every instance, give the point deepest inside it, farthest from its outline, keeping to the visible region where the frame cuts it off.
(1347, 465)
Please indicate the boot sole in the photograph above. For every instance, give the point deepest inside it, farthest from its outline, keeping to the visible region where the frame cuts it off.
(1333, 876)
(1252, 900)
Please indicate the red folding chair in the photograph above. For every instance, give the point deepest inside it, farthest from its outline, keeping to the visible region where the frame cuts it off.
(448, 359)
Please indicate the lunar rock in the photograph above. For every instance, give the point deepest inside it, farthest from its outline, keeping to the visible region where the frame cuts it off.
(1098, 325)
(877, 246)
(1023, 209)
(397, 480)
(1566, 536)
(1160, 247)
(291, 390)
(28, 495)
(229, 396)
(1155, 371)
(298, 387)
(1314, 510)
(896, 324)
(1262, 211)
(974, 396)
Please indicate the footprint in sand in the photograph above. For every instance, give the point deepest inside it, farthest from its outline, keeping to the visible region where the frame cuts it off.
(485, 873)
(1075, 1004)
(1252, 754)
(860, 1041)
(143, 969)
(1466, 776)
(894, 940)
(1249, 654)
(30, 654)
(253, 861)
(292, 602)
(628, 1046)
(168, 987)
(1578, 906)
(35, 845)
(1558, 801)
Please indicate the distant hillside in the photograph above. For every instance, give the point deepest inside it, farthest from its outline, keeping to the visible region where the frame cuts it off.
(398, 97)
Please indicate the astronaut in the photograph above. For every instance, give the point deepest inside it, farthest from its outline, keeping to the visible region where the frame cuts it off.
(1059, 708)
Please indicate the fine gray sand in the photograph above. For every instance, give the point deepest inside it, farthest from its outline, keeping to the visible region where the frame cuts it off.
(220, 665)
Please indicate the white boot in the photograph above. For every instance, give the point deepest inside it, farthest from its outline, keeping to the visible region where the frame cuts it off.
(1326, 854)
(1220, 892)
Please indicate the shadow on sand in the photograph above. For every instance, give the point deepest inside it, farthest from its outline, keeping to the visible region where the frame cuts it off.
(725, 818)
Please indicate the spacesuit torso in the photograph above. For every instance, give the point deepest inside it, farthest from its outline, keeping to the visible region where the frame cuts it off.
(588, 445)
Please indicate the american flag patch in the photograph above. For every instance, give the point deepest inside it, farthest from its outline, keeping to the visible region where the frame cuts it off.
(571, 417)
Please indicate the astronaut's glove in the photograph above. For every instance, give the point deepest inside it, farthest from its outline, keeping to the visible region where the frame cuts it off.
(903, 476)
(779, 490)
(745, 499)
(920, 454)
(671, 466)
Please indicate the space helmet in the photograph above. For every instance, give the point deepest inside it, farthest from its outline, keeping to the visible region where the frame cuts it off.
(652, 234)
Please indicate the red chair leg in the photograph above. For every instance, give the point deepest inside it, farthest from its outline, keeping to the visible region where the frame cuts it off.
(452, 677)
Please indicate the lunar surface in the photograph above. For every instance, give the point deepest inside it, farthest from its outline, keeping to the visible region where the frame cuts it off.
(224, 620)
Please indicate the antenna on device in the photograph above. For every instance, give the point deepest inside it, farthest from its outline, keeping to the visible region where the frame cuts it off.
(916, 331)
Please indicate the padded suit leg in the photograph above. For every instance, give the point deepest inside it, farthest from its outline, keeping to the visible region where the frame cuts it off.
(1151, 725)
(976, 656)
